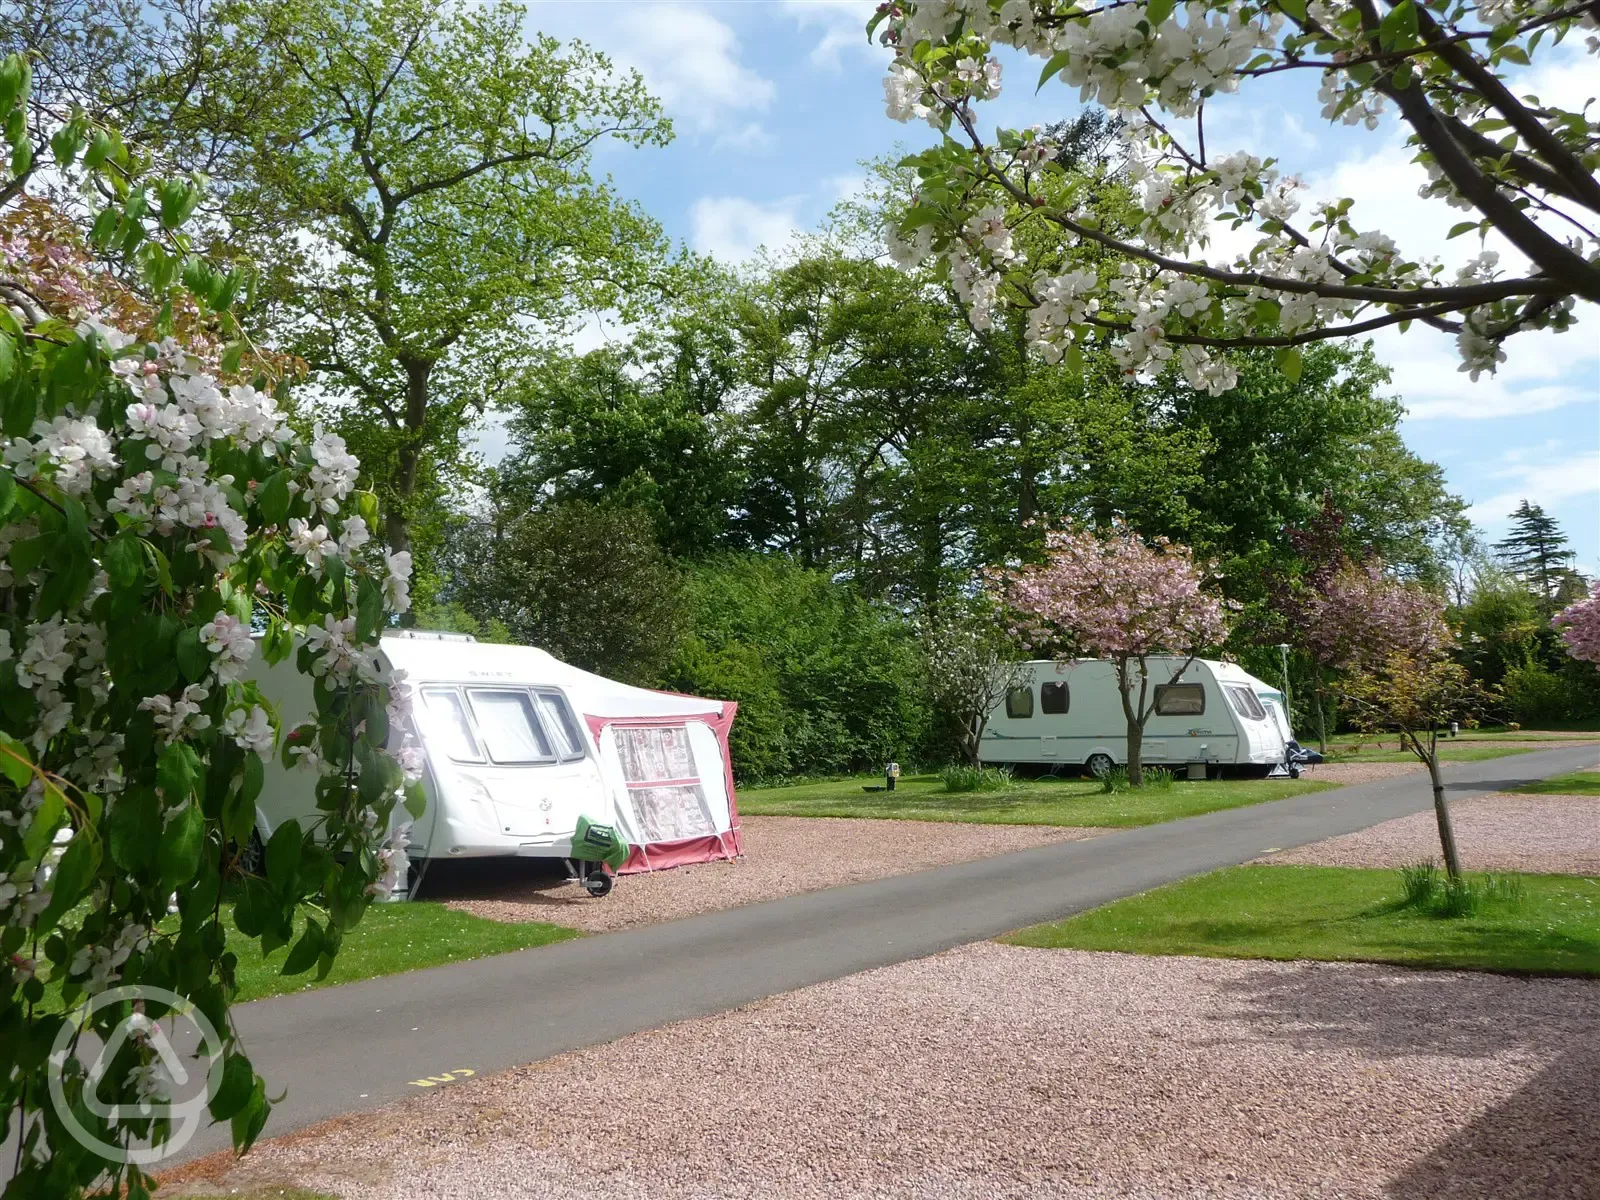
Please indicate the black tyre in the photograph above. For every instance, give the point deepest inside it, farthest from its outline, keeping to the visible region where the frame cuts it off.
(253, 856)
(1294, 770)
(1100, 765)
(598, 884)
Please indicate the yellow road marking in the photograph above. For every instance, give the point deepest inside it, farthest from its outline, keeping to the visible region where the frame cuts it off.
(454, 1076)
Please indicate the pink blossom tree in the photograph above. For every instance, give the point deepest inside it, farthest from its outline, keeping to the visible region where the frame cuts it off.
(1580, 627)
(1118, 598)
(1391, 645)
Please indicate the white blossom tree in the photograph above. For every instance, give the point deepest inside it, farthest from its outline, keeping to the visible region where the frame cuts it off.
(1514, 166)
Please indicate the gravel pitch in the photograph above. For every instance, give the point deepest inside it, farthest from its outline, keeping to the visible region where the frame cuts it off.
(783, 856)
(1002, 1073)
(1557, 835)
(1347, 774)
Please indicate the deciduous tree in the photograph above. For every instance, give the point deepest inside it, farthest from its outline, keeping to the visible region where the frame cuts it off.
(1113, 596)
(1391, 644)
(420, 176)
(155, 507)
(1515, 166)
(1580, 627)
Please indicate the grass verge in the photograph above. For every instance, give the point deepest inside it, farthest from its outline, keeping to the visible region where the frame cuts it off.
(1031, 802)
(1578, 783)
(1340, 914)
(390, 938)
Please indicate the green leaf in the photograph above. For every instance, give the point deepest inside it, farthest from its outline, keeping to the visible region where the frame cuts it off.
(1057, 61)
(1157, 11)
(1289, 363)
(99, 150)
(8, 357)
(248, 1122)
(367, 506)
(1462, 227)
(181, 843)
(283, 857)
(15, 761)
(46, 820)
(74, 876)
(193, 657)
(133, 830)
(1295, 10)
(278, 641)
(306, 951)
(416, 800)
(177, 772)
(274, 499)
(123, 559)
(303, 599)
(1398, 29)
(233, 1092)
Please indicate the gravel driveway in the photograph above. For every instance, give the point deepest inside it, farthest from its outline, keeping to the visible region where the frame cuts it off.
(995, 1072)
(783, 856)
(1495, 832)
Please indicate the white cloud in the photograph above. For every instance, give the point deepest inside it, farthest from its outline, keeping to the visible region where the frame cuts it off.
(1542, 371)
(1545, 477)
(751, 137)
(843, 24)
(733, 229)
(691, 60)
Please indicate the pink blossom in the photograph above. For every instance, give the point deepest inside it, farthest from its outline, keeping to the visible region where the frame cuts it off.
(1582, 627)
(1362, 617)
(1114, 596)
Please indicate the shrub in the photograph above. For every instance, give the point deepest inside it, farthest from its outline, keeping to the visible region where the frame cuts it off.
(1457, 897)
(1507, 890)
(827, 681)
(975, 779)
(1419, 883)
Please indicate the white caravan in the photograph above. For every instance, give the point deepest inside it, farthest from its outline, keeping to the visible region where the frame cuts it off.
(1068, 714)
(519, 745)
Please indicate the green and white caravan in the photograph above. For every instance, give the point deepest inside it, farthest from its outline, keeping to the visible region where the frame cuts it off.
(1067, 714)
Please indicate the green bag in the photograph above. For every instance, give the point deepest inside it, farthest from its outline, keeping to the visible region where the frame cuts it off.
(598, 843)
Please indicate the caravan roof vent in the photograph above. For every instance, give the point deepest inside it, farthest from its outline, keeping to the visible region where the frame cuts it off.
(429, 635)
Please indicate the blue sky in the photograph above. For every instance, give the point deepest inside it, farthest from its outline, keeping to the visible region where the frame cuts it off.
(776, 103)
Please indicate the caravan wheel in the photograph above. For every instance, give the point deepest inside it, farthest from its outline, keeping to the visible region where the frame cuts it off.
(597, 883)
(1099, 765)
(253, 856)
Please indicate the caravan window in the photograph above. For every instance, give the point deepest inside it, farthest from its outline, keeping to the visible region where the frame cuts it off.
(1180, 699)
(1054, 698)
(447, 722)
(510, 727)
(1246, 704)
(558, 719)
(1019, 703)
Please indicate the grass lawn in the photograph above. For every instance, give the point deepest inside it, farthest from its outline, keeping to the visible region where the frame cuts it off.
(1579, 783)
(1341, 914)
(391, 938)
(1449, 751)
(1030, 802)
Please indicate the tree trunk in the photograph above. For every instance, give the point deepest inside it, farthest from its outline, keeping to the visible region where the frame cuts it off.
(408, 458)
(1135, 751)
(1441, 814)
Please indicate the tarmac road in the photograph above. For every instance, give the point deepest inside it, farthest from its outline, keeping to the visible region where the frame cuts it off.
(365, 1044)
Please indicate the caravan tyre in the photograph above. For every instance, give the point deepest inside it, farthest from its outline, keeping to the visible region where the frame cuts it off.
(253, 856)
(1099, 765)
(598, 883)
